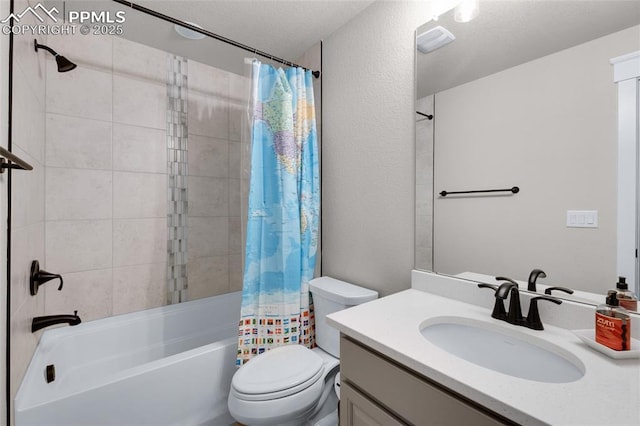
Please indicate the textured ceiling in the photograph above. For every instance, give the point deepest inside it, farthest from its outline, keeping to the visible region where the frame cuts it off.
(285, 29)
(509, 33)
(282, 28)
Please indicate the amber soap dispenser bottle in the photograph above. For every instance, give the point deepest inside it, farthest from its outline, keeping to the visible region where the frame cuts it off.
(613, 324)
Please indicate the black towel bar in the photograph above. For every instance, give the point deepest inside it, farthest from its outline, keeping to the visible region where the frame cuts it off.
(513, 190)
(15, 162)
(429, 116)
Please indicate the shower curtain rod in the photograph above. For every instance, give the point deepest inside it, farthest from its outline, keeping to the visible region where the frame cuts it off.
(167, 18)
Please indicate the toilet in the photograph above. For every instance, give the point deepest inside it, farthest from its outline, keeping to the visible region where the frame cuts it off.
(294, 385)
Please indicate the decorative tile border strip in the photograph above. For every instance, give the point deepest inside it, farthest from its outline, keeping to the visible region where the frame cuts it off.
(177, 172)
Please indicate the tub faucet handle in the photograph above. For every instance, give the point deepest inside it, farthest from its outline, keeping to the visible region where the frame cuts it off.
(39, 276)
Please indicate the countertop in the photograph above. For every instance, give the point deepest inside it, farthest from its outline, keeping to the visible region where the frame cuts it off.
(607, 394)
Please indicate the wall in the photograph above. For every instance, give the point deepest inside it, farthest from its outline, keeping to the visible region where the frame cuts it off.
(106, 177)
(424, 185)
(107, 199)
(4, 112)
(27, 224)
(368, 171)
(550, 127)
(95, 207)
(216, 106)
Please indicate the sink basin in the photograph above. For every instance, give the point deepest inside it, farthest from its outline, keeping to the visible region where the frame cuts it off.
(493, 347)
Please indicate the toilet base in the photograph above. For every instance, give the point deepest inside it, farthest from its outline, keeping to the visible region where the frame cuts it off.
(329, 406)
(329, 420)
(309, 417)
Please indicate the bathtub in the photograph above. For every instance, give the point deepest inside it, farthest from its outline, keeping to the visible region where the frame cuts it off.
(164, 366)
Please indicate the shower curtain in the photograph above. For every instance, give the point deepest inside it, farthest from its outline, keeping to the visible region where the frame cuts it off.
(283, 212)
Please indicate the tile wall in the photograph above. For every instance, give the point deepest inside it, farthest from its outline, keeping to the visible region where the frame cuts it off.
(215, 108)
(27, 197)
(106, 177)
(424, 185)
(95, 207)
(106, 201)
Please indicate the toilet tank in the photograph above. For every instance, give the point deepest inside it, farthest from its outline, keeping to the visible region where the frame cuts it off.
(331, 295)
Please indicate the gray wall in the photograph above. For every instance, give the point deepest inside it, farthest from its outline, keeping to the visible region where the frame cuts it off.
(27, 198)
(550, 127)
(368, 147)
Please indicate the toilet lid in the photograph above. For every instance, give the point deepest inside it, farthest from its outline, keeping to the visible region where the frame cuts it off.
(277, 370)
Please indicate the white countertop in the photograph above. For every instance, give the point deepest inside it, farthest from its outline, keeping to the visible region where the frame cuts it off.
(607, 394)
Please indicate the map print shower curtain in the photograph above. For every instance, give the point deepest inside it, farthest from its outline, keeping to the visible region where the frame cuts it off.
(283, 213)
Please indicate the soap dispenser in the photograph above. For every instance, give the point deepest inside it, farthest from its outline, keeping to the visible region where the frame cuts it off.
(613, 324)
(626, 298)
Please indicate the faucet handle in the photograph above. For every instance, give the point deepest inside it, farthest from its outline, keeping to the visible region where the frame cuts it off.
(39, 276)
(484, 285)
(507, 279)
(499, 312)
(533, 317)
(550, 289)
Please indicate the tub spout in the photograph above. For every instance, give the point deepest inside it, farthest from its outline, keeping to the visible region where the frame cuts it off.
(49, 320)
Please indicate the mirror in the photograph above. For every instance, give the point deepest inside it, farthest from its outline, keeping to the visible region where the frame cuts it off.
(523, 97)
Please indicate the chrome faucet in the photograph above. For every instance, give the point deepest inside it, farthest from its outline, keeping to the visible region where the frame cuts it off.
(49, 320)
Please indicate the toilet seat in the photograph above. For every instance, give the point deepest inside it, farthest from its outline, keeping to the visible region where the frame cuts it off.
(279, 373)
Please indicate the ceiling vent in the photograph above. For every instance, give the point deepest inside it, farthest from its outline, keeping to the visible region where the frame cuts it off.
(434, 39)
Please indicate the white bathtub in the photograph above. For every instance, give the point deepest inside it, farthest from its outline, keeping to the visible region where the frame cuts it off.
(165, 366)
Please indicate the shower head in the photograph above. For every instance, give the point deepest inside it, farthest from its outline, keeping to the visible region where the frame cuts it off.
(64, 64)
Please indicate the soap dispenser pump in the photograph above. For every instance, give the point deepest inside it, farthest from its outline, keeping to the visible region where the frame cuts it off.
(627, 299)
(613, 324)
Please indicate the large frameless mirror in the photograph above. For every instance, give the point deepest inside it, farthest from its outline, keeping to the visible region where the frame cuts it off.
(523, 97)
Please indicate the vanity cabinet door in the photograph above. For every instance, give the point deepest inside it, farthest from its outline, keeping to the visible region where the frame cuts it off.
(358, 410)
(407, 395)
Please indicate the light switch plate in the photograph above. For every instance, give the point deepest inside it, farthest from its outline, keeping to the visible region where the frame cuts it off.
(582, 218)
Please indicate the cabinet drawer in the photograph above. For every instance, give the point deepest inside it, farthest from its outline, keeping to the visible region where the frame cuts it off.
(358, 410)
(403, 392)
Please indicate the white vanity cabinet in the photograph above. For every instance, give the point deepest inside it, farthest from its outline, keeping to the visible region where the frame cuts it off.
(377, 391)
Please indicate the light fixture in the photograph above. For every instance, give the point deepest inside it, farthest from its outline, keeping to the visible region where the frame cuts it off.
(434, 39)
(188, 32)
(466, 10)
